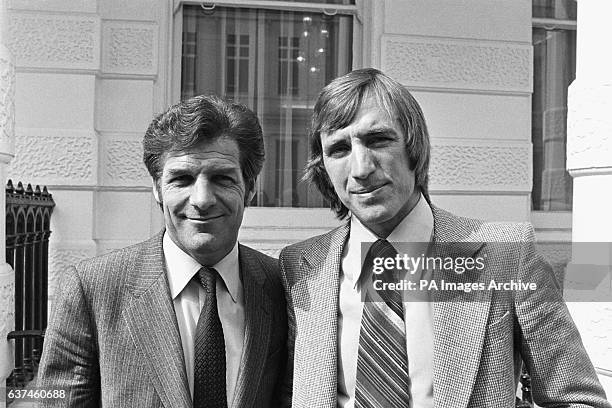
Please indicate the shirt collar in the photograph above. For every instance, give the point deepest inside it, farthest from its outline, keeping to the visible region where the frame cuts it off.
(182, 267)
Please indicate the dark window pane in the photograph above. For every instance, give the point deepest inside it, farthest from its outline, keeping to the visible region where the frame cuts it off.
(230, 76)
(554, 68)
(243, 78)
(559, 9)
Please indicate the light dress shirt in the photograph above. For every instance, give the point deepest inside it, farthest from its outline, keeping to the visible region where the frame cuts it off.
(416, 227)
(188, 297)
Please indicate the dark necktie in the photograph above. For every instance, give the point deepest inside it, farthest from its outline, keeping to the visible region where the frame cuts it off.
(382, 362)
(209, 349)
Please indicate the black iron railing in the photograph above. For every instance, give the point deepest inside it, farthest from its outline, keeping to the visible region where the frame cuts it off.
(28, 216)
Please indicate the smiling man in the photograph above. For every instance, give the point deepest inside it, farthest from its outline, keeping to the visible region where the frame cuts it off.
(352, 346)
(189, 317)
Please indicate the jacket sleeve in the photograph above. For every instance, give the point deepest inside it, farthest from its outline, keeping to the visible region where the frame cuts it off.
(561, 372)
(69, 359)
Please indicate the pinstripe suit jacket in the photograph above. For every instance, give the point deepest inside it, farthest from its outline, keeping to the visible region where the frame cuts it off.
(113, 339)
(478, 345)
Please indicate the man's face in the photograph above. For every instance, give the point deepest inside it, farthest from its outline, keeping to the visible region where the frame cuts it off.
(202, 194)
(369, 168)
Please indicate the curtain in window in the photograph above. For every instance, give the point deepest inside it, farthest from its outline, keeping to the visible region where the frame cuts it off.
(276, 63)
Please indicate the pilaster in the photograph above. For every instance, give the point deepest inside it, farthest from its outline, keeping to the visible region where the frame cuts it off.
(589, 161)
(7, 132)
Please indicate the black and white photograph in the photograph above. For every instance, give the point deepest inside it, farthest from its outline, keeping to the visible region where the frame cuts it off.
(305, 203)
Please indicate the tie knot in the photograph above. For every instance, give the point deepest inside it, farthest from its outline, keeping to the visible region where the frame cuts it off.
(382, 248)
(208, 278)
(379, 249)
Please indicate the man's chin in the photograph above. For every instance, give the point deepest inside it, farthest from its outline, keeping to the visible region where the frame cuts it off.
(373, 216)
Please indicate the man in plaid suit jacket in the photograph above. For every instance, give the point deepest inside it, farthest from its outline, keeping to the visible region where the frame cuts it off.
(125, 325)
(370, 156)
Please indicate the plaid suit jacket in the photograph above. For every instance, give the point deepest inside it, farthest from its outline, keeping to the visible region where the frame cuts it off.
(478, 345)
(113, 339)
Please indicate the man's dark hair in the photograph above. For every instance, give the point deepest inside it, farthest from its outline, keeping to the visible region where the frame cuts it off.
(202, 119)
(337, 106)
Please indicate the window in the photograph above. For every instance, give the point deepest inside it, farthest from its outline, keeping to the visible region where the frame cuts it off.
(276, 62)
(554, 68)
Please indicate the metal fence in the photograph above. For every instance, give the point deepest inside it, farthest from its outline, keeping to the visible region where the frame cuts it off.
(28, 216)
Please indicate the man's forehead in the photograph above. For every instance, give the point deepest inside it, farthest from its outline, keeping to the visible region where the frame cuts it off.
(340, 118)
(364, 123)
(220, 152)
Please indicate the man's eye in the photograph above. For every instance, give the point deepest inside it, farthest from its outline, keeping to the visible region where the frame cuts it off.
(181, 180)
(338, 150)
(379, 141)
(224, 179)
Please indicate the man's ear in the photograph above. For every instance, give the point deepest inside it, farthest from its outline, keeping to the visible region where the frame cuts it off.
(249, 198)
(156, 192)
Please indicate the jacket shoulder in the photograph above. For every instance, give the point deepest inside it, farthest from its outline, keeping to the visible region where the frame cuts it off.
(266, 261)
(294, 251)
(460, 228)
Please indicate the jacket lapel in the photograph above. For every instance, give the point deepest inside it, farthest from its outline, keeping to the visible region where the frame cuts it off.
(315, 298)
(151, 321)
(258, 326)
(459, 323)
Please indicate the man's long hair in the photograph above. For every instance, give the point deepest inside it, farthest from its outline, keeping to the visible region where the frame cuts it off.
(336, 108)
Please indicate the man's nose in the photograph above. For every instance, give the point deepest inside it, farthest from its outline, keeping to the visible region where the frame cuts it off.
(362, 162)
(203, 194)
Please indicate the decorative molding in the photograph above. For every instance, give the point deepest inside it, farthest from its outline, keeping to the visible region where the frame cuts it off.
(593, 322)
(7, 101)
(55, 41)
(480, 167)
(61, 258)
(52, 156)
(589, 126)
(558, 255)
(122, 163)
(105, 246)
(130, 48)
(7, 302)
(458, 64)
(85, 6)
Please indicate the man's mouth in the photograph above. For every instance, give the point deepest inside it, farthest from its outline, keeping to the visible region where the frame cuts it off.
(367, 189)
(206, 218)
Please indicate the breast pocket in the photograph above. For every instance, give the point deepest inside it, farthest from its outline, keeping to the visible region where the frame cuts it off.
(499, 322)
(498, 349)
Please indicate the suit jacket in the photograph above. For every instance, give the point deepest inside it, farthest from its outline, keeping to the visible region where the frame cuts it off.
(478, 345)
(113, 338)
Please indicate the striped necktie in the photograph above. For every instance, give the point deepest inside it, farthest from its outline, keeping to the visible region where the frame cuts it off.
(209, 349)
(382, 362)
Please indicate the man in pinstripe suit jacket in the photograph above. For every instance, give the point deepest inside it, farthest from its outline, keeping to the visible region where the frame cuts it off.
(369, 156)
(123, 325)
